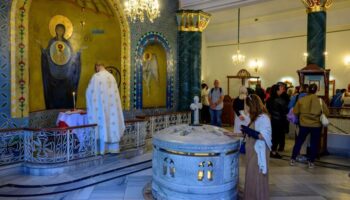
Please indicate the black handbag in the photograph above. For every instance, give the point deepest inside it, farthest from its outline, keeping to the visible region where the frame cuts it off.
(242, 147)
(243, 142)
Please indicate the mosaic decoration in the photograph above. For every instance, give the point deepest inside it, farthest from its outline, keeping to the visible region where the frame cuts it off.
(151, 38)
(11, 147)
(19, 57)
(161, 121)
(125, 51)
(134, 135)
(59, 145)
(44, 119)
(5, 86)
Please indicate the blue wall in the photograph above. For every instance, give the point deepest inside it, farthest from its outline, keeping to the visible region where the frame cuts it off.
(5, 70)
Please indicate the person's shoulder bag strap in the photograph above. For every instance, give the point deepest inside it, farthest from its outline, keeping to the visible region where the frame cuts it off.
(321, 105)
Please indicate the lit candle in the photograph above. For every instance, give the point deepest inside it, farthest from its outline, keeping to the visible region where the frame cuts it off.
(73, 100)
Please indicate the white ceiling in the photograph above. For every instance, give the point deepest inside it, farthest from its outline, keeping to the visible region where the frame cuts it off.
(262, 19)
(213, 5)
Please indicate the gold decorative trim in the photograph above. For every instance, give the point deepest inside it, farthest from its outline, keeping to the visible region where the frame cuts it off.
(192, 20)
(125, 51)
(317, 5)
(19, 56)
(60, 19)
(13, 58)
(189, 153)
(232, 152)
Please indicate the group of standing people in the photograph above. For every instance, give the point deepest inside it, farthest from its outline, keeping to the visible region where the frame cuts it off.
(261, 117)
(341, 101)
(303, 103)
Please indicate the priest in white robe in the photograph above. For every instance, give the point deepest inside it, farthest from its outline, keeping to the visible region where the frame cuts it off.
(104, 109)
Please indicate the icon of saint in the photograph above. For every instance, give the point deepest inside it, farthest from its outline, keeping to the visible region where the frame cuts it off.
(60, 67)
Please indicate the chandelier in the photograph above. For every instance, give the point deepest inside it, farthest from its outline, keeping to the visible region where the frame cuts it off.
(238, 59)
(136, 10)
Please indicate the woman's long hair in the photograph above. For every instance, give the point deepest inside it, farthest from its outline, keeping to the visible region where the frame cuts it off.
(256, 107)
(273, 92)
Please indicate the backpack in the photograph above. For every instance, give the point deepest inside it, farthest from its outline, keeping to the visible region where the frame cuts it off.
(212, 90)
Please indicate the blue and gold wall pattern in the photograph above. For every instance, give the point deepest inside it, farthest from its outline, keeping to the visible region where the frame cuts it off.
(5, 76)
(152, 38)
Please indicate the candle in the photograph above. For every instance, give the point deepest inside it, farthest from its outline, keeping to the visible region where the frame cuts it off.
(73, 100)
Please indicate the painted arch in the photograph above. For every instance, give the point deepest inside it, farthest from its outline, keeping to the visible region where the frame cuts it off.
(19, 56)
(151, 38)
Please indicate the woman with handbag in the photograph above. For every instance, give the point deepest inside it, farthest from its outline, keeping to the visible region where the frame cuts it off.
(258, 145)
(312, 112)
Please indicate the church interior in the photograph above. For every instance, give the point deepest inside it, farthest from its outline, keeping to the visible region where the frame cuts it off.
(159, 54)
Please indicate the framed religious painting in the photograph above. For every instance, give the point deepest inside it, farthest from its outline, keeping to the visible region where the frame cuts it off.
(317, 80)
(312, 74)
(116, 73)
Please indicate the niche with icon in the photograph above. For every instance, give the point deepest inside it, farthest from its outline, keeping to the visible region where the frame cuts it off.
(154, 76)
(66, 39)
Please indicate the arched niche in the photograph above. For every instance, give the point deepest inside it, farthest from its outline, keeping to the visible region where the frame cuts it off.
(163, 90)
(20, 65)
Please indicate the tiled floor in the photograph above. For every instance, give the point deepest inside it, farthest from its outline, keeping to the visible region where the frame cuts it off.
(286, 183)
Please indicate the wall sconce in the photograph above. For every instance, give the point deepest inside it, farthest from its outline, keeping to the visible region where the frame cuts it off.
(347, 61)
(325, 54)
(305, 55)
(256, 64)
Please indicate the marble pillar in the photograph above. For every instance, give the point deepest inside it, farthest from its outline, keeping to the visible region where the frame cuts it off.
(316, 31)
(190, 25)
(316, 38)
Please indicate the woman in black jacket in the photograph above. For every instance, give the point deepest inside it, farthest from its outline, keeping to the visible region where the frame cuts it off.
(277, 106)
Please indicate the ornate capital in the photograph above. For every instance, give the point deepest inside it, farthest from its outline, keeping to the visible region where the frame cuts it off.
(317, 5)
(192, 20)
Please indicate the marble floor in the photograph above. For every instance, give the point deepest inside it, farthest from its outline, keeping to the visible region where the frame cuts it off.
(328, 180)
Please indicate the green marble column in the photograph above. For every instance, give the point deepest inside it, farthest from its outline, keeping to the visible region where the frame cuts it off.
(189, 67)
(316, 30)
(190, 24)
(316, 38)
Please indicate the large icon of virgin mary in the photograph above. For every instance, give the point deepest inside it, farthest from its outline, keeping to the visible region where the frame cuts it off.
(60, 66)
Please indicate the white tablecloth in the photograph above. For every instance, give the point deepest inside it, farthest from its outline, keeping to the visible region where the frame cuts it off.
(74, 119)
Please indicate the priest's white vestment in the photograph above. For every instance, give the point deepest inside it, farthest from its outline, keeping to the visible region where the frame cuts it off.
(104, 109)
